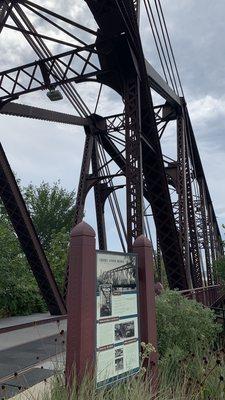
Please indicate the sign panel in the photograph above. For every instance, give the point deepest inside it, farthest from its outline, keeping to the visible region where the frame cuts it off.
(117, 317)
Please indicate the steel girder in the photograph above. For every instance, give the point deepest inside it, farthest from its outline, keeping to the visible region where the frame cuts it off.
(99, 190)
(22, 110)
(118, 17)
(41, 74)
(94, 179)
(200, 175)
(182, 197)
(83, 187)
(119, 54)
(134, 173)
(205, 233)
(5, 10)
(155, 80)
(27, 236)
(187, 211)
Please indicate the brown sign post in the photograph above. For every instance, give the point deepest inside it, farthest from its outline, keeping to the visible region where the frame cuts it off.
(81, 304)
(148, 329)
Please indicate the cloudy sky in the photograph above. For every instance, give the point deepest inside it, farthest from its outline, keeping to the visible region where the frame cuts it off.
(47, 151)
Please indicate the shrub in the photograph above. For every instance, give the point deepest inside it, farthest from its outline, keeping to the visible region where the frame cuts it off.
(219, 267)
(184, 325)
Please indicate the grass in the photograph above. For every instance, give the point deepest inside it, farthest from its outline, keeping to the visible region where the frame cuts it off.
(194, 377)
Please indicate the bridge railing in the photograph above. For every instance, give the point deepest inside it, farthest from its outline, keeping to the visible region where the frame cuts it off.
(208, 296)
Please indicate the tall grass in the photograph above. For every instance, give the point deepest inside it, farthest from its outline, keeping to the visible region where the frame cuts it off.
(196, 377)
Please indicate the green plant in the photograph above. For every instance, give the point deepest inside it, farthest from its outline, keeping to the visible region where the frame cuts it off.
(52, 210)
(198, 378)
(219, 267)
(183, 325)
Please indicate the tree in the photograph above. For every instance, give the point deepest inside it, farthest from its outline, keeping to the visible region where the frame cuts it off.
(18, 290)
(52, 210)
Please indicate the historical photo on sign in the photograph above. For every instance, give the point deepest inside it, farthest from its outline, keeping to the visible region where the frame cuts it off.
(124, 330)
(119, 364)
(118, 353)
(121, 276)
(105, 300)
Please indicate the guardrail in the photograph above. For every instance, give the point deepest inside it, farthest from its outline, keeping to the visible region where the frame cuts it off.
(15, 327)
(208, 295)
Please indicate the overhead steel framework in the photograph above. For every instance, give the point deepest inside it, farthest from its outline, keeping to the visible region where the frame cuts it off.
(123, 152)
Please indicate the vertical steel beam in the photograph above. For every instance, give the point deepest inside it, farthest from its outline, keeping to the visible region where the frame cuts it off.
(134, 176)
(212, 238)
(182, 197)
(194, 246)
(82, 187)
(28, 238)
(158, 261)
(99, 203)
(137, 7)
(81, 192)
(205, 232)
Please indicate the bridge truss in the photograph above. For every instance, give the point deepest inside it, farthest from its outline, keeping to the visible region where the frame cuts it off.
(123, 151)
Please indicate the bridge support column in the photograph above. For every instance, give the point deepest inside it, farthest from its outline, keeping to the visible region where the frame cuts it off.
(148, 330)
(134, 174)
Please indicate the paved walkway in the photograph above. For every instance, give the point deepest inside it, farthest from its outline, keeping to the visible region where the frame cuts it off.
(28, 334)
(29, 355)
(5, 322)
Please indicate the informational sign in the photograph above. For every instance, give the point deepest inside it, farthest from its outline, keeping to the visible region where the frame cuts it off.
(117, 317)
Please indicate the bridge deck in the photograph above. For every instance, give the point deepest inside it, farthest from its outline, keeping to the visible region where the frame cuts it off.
(31, 349)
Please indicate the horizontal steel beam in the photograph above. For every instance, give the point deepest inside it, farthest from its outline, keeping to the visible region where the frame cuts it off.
(22, 110)
(160, 86)
(75, 66)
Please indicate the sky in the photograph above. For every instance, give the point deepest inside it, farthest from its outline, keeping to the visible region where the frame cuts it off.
(40, 151)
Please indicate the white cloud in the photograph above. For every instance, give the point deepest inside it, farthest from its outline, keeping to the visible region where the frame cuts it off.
(207, 108)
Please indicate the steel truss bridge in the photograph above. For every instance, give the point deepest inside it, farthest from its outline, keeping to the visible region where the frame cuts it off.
(123, 153)
(122, 276)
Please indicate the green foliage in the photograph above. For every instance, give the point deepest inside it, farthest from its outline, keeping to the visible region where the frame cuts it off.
(183, 325)
(18, 289)
(51, 209)
(219, 267)
(58, 253)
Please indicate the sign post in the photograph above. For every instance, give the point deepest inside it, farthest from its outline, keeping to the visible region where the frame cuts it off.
(81, 304)
(106, 322)
(148, 328)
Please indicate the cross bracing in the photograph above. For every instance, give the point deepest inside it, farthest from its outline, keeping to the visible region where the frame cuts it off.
(123, 155)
